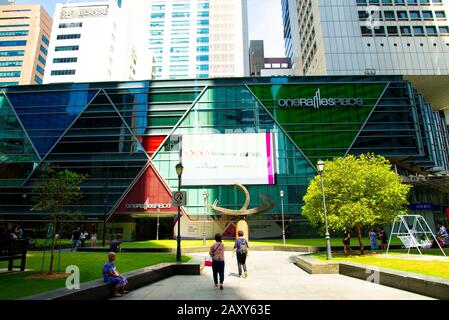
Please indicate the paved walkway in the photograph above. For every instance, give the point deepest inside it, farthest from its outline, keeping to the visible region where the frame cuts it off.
(271, 276)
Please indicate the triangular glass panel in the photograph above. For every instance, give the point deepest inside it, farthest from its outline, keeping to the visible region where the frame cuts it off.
(101, 145)
(17, 155)
(43, 110)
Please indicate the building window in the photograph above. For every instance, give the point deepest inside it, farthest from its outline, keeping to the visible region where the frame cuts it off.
(392, 31)
(43, 50)
(366, 31)
(67, 48)
(42, 60)
(21, 33)
(63, 72)
(37, 79)
(6, 84)
(70, 25)
(431, 31)
(12, 53)
(9, 74)
(65, 60)
(444, 30)
(406, 31)
(45, 40)
(13, 43)
(68, 36)
(39, 69)
(418, 31)
(16, 63)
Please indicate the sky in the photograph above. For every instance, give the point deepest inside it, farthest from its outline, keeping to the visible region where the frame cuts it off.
(264, 16)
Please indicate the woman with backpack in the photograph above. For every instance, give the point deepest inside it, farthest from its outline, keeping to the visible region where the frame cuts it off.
(241, 247)
(217, 253)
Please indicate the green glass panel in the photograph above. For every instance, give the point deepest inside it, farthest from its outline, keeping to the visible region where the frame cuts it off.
(320, 131)
(222, 110)
(17, 156)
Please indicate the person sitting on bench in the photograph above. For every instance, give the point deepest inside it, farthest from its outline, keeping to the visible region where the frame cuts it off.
(4, 235)
(110, 275)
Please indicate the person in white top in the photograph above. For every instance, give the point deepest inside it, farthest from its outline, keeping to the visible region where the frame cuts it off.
(83, 237)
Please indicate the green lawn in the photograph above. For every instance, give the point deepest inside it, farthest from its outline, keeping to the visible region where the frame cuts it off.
(399, 262)
(16, 285)
(199, 243)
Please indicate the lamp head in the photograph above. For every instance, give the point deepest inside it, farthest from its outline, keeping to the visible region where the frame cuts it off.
(179, 169)
(320, 166)
(281, 193)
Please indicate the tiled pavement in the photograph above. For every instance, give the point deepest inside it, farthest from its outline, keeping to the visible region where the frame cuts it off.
(271, 276)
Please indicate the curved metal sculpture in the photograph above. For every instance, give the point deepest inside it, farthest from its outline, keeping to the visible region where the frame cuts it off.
(268, 203)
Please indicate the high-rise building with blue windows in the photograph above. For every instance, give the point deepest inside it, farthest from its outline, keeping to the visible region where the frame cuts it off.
(199, 38)
(24, 40)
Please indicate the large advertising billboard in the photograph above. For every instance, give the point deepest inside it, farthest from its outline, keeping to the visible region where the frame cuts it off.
(227, 159)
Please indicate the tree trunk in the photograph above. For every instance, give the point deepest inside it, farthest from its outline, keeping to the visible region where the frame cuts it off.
(53, 235)
(359, 235)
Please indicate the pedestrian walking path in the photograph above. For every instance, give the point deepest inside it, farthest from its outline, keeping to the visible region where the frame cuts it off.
(271, 276)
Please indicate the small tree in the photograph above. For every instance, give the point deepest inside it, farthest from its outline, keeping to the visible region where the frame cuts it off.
(360, 191)
(55, 189)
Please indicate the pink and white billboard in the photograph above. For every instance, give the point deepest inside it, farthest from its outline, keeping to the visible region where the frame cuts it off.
(227, 159)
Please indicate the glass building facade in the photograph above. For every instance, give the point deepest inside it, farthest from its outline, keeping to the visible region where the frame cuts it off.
(127, 137)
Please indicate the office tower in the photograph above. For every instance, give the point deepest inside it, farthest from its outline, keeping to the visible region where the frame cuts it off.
(267, 67)
(371, 37)
(25, 32)
(256, 57)
(199, 38)
(291, 34)
(99, 41)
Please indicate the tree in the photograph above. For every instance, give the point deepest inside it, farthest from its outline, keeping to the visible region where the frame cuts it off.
(360, 191)
(55, 189)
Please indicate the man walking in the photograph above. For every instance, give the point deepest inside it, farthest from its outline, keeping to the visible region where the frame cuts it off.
(76, 239)
(241, 247)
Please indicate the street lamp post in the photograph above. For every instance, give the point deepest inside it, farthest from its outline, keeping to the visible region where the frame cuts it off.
(179, 169)
(205, 196)
(320, 167)
(282, 210)
(105, 212)
(157, 230)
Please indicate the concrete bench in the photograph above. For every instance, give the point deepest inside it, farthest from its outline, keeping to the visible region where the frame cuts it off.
(99, 290)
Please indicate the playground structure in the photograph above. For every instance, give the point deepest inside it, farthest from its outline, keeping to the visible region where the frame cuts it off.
(407, 228)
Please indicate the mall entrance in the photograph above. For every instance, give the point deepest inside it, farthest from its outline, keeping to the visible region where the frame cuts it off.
(146, 229)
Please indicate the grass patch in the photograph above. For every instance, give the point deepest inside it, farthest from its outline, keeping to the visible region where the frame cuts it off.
(399, 262)
(266, 242)
(18, 285)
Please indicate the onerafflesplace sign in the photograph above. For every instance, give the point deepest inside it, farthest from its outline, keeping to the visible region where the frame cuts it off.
(317, 102)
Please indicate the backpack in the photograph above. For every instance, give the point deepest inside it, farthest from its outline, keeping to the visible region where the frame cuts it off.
(243, 248)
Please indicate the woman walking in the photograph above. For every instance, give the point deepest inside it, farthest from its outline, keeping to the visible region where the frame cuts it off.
(241, 247)
(373, 239)
(218, 264)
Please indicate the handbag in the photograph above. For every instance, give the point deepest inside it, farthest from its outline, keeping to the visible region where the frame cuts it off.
(208, 261)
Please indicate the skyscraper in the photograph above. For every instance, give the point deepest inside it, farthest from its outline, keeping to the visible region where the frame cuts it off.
(25, 33)
(199, 38)
(370, 37)
(99, 41)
